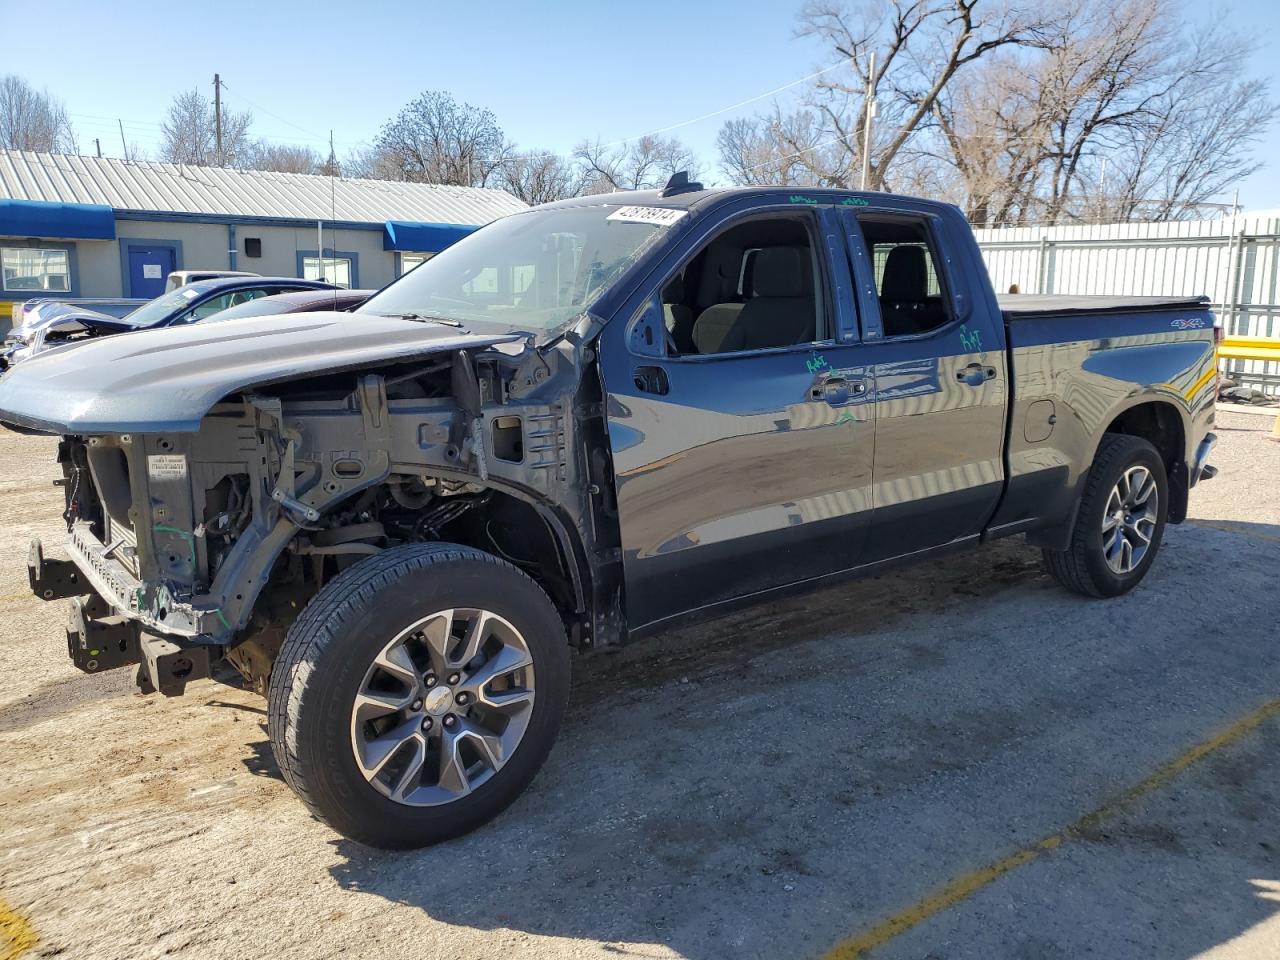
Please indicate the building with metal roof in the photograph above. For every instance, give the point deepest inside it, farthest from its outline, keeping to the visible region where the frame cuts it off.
(95, 227)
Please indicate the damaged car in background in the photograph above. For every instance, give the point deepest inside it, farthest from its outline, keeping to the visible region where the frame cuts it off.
(58, 324)
(581, 424)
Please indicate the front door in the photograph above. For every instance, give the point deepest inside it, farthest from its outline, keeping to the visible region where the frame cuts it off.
(742, 446)
(149, 266)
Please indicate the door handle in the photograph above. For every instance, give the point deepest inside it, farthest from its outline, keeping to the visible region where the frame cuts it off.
(975, 374)
(838, 390)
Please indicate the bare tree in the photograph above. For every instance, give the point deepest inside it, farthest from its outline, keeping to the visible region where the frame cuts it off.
(1191, 135)
(639, 165)
(436, 139)
(284, 158)
(1118, 114)
(32, 119)
(188, 134)
(919, 47)
(1020, 111)
(540, 177)
(783, 149)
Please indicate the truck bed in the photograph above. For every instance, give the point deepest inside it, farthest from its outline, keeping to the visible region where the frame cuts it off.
(1018, 305)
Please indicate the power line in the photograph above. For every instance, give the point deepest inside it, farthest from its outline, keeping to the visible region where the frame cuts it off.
(319, 137)
(731, 107)
(314, 137)
(615, 143)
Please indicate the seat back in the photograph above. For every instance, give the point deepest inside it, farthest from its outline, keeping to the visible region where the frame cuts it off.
(780, 312)
(905, 307)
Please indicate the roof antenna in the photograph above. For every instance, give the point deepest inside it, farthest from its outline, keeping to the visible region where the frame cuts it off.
(680, 183)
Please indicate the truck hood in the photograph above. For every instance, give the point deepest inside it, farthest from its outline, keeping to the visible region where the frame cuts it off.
(166, 380)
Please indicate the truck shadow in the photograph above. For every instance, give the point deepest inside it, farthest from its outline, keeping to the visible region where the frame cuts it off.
(772, 782)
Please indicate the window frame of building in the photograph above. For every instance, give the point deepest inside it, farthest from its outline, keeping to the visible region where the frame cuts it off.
(406, 262)
(43, 246)
(329, 255)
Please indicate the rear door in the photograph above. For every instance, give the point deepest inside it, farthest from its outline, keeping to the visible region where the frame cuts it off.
(742, 459)
(938, 359)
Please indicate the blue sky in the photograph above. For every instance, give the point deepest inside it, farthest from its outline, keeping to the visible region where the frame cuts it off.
(553, 72)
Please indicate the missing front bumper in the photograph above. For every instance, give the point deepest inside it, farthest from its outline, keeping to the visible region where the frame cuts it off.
(99, 637)
(169, 665)
(53, 579)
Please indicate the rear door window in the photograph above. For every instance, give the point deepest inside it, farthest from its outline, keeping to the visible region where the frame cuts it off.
(908, 282)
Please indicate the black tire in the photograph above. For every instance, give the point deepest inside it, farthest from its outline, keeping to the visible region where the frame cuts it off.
(329, 649)
(1082, 568)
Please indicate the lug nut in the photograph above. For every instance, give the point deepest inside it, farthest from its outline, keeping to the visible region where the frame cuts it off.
(426, 723)
(431, 680)
(449, 721)
(453, 678)
(417, 705)
(461, 698)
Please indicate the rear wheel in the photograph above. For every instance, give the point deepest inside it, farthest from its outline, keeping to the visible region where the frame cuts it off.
(1120, 522)
(418, 694)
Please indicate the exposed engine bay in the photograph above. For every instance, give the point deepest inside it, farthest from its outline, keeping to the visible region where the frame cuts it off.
(211, 543)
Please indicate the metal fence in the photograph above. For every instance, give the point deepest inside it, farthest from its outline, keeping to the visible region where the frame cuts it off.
(1235, 261)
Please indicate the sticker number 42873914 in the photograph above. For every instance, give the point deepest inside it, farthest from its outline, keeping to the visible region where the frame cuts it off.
(658, 216)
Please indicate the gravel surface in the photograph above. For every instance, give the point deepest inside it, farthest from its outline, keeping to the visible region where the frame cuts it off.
(764, 786)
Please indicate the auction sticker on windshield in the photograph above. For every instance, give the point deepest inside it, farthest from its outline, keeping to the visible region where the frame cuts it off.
(658, 216)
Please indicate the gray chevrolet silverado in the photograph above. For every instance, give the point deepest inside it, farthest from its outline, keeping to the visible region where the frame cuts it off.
(580, 424)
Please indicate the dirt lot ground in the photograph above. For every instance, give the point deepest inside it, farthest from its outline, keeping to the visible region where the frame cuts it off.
(958, 760)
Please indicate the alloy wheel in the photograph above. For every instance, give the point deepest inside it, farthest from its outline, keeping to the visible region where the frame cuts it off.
(1129, 520)
(443, 707)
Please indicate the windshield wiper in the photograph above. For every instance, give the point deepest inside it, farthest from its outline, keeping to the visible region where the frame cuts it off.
(424, 318)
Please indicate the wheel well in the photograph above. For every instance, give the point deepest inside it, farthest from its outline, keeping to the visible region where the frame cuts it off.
(516, 531)
(1159, 423)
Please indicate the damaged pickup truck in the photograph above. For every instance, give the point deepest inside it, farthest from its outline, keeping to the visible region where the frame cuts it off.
(580, 424)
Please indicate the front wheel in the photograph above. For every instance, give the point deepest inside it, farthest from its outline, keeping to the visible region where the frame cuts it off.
(418, 694)
(1120, 522)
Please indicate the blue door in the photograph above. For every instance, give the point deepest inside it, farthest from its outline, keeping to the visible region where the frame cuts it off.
(149, 268)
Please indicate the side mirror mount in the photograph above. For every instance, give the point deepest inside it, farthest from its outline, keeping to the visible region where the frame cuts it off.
(647, 336)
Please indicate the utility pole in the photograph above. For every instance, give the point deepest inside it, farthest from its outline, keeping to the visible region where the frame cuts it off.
(320, 249)
(869, 112)
(97, 145)
(217, 118)
(1102, 188)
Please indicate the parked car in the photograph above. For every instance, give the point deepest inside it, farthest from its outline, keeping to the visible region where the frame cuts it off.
(59, 324)
(299, 301)
(581, 424)
(180, 278)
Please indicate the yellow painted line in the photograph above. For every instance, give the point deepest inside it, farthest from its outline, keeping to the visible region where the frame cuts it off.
(1232, 526)
(966, 885)
(17, 936)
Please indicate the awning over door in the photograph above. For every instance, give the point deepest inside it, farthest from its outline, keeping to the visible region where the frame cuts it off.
(56, 221)
(421, 237)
